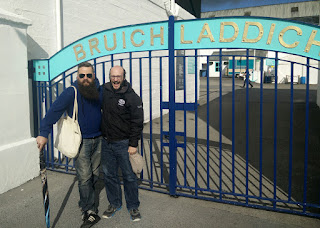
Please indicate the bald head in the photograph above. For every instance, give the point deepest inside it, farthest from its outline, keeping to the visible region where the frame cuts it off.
(117, 76)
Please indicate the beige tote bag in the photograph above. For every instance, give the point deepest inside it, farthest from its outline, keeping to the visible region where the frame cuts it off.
(69, 138)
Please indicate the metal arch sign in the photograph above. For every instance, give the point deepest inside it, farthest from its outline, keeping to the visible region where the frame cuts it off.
(249, 32)
(228, 32)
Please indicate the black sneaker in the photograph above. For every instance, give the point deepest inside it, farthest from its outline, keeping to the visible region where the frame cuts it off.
(110, 211)
(135, 215)
(89, 220)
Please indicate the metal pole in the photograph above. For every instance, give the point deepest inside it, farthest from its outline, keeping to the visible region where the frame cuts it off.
(172, 114)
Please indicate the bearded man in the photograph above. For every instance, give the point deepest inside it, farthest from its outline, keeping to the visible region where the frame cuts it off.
(87, 162)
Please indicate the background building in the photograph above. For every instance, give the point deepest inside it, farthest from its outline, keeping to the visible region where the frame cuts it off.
(307, 12)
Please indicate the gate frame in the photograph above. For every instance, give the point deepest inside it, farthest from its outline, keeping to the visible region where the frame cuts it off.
(44, 68)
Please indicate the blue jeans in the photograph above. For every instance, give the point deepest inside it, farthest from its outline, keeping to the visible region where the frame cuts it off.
(87, 165)
(113, 156)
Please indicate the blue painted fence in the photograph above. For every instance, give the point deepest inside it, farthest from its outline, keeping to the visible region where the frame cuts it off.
(211, 140)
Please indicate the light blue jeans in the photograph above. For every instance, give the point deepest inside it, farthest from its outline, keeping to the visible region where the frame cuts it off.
(87, 165)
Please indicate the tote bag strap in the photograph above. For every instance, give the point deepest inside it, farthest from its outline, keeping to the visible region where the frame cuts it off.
(75, 105)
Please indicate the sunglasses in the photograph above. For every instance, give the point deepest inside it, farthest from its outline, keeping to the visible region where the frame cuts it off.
(88, 75)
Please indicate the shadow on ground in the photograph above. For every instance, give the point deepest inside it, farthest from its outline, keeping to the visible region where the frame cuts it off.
(280, 166)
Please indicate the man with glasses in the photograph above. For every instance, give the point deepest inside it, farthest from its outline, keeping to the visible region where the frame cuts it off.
(87, 162)
(122, 124)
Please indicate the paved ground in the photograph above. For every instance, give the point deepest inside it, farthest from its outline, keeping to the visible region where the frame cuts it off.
(196, 173)
(22, 207)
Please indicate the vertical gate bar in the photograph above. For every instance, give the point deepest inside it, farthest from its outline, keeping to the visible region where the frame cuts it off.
(95, 66)
(57, 94)
(291, 134)
(112, 63)
(121, 62)
(64, 80)
(44, 95)
(161, 123)
(261, 127)
(71, 78)
(140, 79)
(275, 131)
(306, 140)
(150, 117)
(40, 94)
(172, 114)
(104, 72)
(51, 135)
(196, 123)
(220, 123)
(130, 66)
(185, 120)
(208, 122)
(247, 125)
(67, 159)
(233, 122)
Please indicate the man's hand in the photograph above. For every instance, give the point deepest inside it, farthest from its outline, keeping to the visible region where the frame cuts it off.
(41, 142)
(132, 150)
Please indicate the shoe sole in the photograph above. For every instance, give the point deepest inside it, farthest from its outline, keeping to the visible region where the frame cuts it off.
(107, 217)
(136, 220)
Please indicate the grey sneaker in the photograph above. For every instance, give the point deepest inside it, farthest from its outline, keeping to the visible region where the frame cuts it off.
(135, 215)
(110, 211)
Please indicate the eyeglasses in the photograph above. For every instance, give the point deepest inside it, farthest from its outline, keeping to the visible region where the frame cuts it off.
(88, 75)
(115, 77)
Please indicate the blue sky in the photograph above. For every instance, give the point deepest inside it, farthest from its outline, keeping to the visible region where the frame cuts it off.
(215, 5)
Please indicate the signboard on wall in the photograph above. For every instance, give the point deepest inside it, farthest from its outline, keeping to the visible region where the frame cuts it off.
(179, 70)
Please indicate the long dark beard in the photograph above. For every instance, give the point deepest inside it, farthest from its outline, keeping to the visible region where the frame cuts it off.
(89, 92)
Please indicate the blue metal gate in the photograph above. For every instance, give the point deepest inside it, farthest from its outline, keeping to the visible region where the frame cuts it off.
(206, 137)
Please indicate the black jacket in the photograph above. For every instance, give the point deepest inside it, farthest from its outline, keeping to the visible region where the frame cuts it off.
(122, 114)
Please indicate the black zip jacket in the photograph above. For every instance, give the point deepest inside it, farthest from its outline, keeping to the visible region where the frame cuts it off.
(122, 114)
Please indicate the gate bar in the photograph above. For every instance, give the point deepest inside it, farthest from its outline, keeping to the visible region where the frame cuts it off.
(306, 140)
(150, 117)
(196, 123)
(261, 127)
(275, 131)
(291, 133)
(140, 81)
(247, 124)
(220, 122)
(161, 123)
(233, 121)
(185, 121)
(208, 121)
(172, 114)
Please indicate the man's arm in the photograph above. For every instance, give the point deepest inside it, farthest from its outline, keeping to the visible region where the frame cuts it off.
(60, 105)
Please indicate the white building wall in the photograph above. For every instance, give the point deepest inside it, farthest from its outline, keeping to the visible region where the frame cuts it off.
(19, 160)
(41, 35)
